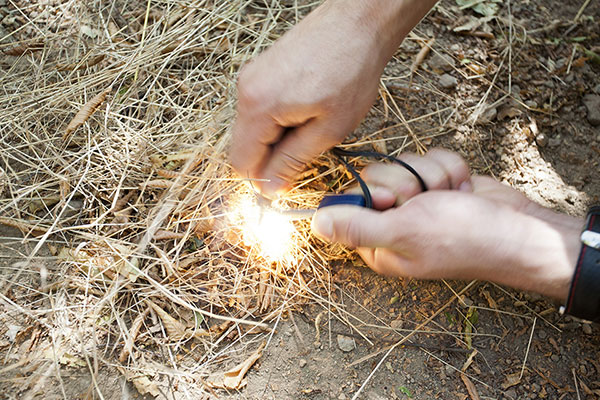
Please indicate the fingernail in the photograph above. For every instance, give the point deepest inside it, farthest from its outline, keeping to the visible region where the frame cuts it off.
(273, 187)
(466, 186)
(322, 225)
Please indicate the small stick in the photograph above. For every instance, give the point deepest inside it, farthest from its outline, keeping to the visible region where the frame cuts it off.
(528, 346)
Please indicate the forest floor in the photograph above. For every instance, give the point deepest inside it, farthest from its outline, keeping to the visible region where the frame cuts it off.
(518, 95)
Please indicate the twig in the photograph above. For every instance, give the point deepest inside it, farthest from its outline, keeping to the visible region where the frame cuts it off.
(528, 346)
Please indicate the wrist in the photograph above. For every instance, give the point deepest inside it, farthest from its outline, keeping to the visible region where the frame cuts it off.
(388, 21)
(549, 254)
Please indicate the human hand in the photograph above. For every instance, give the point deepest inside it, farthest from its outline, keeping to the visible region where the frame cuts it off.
(485, 230)
(314, 85)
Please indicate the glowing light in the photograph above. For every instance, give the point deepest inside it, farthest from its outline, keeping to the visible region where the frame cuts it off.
(269, 231)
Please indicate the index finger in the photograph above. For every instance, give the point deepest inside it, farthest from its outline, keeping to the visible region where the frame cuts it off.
(251, 140)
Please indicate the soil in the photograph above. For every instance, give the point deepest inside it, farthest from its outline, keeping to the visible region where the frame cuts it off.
(532, 132)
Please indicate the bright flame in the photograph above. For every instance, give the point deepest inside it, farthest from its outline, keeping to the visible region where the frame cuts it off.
(271, 232)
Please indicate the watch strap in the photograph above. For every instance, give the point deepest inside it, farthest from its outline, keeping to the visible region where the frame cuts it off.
(584, 295)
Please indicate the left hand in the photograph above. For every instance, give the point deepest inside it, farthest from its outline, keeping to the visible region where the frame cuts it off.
(485, 231)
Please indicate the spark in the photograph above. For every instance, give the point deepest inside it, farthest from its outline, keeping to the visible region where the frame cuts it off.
(272, 233)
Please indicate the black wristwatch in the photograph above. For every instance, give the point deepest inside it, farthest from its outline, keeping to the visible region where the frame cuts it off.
(584, 295)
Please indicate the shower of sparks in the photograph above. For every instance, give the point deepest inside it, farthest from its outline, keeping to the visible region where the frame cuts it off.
(265, 229)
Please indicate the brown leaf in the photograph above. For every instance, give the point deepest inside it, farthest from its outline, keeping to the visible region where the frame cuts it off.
(145, 386)
(133, 333)
(509, 111)
(23, 48)
(470, 387)
(79, 65)
(163, 234)
(175, 329)
(235, 378)
(511, 380)
(85, 112)
(421, 55)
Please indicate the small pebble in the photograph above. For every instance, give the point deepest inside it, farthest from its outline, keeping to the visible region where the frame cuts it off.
(345, 343)
(465, 302)
(447, 81)
(587, 329)
(555, 358)
(542, 334)
(440, 63)
(531, 103)
(592, 103)
(541, 140)
(302, 363)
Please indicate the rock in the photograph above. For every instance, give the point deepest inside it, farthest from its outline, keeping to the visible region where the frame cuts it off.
(592, 103)
(555, 358)
(440, 63)
(597, 89)
(345, 343)
(487, 116)
(397, 324)
(465, 302)
(302, 363)
(554, 142)
(511, 393)
(542, 335)
(531, 104)
(587, 329)
(447, 81)
(541, 140)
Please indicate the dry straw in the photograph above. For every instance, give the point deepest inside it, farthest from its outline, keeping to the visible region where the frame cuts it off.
(114, 136)
(114, 131)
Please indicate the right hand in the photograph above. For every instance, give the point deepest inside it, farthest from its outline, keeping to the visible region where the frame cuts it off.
(306, 93)
(485, 230)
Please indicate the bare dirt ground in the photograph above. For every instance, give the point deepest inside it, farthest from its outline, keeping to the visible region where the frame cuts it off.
(515, 112)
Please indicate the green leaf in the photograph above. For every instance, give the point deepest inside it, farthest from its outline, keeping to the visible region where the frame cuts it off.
(405, 391)
(198, 319)
(450, 318)
(394, 299)
(579, 39)
(472, 318)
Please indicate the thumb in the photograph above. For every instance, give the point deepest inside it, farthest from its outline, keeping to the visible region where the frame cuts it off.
(297, 148)
(353, 226)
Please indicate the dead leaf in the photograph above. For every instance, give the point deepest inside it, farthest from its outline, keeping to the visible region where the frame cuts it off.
(89, 31)
(380, 146)
(23, 48)
(133, 333)
(85, 112)
(76, 66)
(175, 329)
(235, 378)
(511, 380)
(469, 361)
(470, 387)
(509, 111)
(144, 385)
(421, 55)
(487, 8)
(163, 234)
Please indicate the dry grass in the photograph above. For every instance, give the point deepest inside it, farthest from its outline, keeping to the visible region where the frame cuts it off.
(113, 145)
(113, 148)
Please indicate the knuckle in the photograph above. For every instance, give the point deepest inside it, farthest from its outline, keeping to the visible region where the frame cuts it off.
(291, 164)
(250, 90)
(353, 233)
